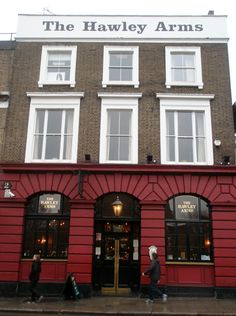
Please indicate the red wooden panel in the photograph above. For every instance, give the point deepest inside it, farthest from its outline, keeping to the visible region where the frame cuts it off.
(155, 214)
(8, 266)
(225, 243)
(218, 216)
(230, 271)
(224, 225)
(11, 229)
(12, 221)
(190, 275)
(153, 241)
(10, 248)
(8, 276)
(148, 232)
(80, 268)
(52, 271)
(81, 231)
(82, 240)
(9, 257)
(224, 281)
(82, 213)
(83, 222)
(152, 223)
(77, 249)
(83, 278)
(13, 212)
(225, 262)
(10, 239)
(220, 233)
(224, 252)
(80, 258)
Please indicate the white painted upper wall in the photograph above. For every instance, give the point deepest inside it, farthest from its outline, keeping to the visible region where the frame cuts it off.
(209, 28)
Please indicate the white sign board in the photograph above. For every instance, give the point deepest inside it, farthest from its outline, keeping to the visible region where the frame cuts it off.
(121, 28)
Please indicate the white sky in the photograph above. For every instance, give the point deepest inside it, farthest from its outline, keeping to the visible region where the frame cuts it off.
(11, 8)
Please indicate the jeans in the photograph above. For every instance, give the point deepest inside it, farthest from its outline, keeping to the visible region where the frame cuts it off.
(154, 291)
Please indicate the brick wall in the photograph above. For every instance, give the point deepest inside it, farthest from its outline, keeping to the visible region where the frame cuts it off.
(89, 80)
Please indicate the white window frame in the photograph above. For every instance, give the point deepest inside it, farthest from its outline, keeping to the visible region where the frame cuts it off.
(106, 59)
(44, 63)
(178, 102)
(49, 101)
(121, 101)
(198, 66)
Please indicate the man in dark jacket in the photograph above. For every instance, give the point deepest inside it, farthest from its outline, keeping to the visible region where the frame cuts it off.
(34, 278)
(154, 272)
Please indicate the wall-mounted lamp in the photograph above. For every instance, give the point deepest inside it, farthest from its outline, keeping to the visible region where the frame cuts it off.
(117, 206)
(87, 157)
(7, 190)
(149, 158)
(217, 142)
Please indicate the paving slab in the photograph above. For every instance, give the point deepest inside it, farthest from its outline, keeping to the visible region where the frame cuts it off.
(114, 306)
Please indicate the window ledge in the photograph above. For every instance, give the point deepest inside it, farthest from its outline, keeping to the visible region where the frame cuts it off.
(189, 263)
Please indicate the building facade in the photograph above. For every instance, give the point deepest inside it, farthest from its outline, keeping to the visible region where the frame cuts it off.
(131, 110)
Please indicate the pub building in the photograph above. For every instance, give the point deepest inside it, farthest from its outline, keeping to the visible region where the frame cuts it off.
(117, 134)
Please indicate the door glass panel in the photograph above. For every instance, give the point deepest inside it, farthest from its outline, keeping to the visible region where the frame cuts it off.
(109, 249)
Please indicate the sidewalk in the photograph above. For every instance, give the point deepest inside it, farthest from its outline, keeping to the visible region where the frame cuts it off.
(122, 306)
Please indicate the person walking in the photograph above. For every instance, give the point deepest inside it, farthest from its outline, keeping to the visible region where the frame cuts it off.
(34, 278)
(154, 272)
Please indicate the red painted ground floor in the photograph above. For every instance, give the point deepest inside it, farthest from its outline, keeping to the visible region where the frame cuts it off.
(65, 213)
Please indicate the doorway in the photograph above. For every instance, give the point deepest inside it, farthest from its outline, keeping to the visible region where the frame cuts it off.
(116, 253)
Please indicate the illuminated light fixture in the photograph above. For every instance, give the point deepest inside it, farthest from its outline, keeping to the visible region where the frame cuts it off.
(217, 142)
(117, 206)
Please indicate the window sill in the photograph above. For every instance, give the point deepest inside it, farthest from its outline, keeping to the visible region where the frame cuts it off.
(199, 85)
(56, 83)
(189, 263)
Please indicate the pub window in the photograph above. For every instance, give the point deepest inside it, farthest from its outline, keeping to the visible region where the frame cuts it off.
(188, 230)
(47, 226)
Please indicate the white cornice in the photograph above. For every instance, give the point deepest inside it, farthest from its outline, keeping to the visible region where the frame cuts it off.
(55, 94)
(119, 95)
(184, 96)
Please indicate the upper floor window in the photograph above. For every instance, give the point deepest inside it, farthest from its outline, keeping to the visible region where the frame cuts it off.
(53, 129)
(58, 65)
(119, 129)
(47, 226)
(120, 66)
(185, 129)
(183, 66)
(188, 229)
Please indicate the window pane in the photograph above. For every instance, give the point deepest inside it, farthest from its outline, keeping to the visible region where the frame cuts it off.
(185, 150)
(193, 242)
(201, 154)
(204, 210)
(114, 74)
(49, 204)
(54, 122)
(185, 123)
(170, 148)
(186, 207)
(125, 120)
(124, 148)
(38, 147)
(39, 121)
(113, 122)
(67, 151)
(171, 241)
(189, 75)
(126, 74)
(52, 147)
(127, 59)
(59, 64)
(69, 121)
(170, 126)
(115, 59)
(113, 148)
(182, 241)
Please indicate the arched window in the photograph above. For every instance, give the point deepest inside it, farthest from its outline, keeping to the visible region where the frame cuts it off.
(188, 229)
(47, 226)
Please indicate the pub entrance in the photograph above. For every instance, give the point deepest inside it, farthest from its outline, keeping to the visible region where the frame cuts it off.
(117, 247)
